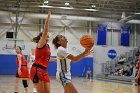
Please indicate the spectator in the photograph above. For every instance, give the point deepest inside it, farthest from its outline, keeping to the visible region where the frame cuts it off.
(89, 73)
(122, 60)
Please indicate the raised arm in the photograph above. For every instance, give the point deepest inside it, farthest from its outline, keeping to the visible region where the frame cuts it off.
(42, 40)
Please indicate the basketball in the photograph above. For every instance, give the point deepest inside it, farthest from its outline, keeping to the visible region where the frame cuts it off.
(86, 40)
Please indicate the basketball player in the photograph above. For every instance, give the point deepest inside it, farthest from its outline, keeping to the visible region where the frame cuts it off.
(64, 57)
(30, 60)
(137, 78)
(38, 72)
(22, 71)
(31, 57)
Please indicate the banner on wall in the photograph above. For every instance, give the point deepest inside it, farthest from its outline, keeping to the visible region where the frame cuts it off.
(125, 35)
(101, 34)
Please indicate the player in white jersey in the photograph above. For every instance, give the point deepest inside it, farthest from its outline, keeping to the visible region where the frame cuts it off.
(30, 60)
(31, 57)
(64, 57)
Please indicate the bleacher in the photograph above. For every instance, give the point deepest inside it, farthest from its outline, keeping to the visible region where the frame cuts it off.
(109, 69)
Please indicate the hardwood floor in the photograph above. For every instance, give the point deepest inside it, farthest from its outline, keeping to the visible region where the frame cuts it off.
(82, 85)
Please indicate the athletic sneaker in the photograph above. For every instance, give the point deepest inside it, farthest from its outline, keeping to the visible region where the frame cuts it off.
(34, 90)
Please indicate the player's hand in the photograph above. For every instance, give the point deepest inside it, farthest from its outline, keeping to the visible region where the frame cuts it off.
(49, 13)
(90, 46)
(88, 51)
(19, 72)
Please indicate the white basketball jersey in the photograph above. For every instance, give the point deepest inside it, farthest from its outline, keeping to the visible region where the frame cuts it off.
(63, 63)
(32, 59)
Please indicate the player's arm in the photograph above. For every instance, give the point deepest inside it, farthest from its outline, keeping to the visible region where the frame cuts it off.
(19, 66)
(42, 40)
(53, 59)
(28, 58)
(80, 56)
(138, 74)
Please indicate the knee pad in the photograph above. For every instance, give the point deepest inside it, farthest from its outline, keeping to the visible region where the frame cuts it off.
(25, 83)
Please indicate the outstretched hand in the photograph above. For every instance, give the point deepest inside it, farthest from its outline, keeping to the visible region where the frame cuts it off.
(49, 13)
(19, 72)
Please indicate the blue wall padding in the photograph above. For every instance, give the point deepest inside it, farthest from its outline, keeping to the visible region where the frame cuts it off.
(8, 66)
(80, 68)
(52, 68)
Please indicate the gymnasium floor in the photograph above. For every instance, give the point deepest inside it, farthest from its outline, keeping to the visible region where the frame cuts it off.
(83, 86)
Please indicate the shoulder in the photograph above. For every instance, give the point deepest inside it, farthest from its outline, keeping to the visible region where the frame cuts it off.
(19, 55)
(61, 48)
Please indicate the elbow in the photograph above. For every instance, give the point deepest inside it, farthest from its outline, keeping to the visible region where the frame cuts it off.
(75, 60)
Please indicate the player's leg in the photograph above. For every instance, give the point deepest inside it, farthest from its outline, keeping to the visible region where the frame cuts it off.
(16, 84)
(69, 88)
(47, 87)
(39, 86)
(25, 84)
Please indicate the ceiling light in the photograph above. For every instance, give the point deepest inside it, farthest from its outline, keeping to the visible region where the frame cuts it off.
(93, 6)
(67, 4)
(91, 9)
(66, 7)
(46, 2)
(46, 6)
(137, 13)
(134, 21)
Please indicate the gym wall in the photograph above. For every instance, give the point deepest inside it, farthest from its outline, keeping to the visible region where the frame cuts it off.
(8, 66)
(73, 32)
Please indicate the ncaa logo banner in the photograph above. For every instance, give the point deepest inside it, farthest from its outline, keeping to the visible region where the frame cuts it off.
(112, 54)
